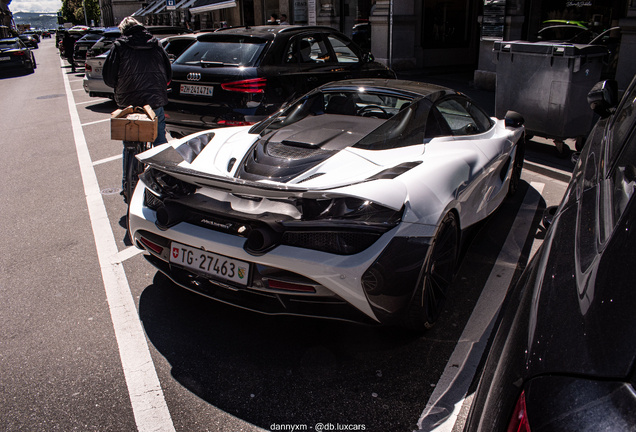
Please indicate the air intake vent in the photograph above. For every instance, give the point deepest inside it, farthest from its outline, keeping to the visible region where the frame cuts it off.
(283, 151)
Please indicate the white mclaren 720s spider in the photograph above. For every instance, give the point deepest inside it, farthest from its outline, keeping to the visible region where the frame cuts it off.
(349, 203)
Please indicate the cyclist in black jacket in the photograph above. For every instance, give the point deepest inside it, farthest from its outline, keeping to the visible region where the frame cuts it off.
(138, 68)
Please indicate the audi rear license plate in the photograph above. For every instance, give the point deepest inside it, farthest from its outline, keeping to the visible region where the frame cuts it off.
(208, 263)
(196, 90)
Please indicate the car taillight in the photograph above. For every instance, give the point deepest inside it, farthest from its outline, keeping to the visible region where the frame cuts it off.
(154, 247)
(19, 53)
(290, 286)
(87, 68)
(256, 85)
(519, 420)
(235, 123)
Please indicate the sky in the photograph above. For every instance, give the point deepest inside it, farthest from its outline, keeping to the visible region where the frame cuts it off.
(35, 5)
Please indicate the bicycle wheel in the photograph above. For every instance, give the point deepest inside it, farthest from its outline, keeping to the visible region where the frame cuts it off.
(130, 179)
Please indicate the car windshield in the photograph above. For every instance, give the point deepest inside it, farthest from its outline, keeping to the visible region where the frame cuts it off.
(226, 51)
(402, 118)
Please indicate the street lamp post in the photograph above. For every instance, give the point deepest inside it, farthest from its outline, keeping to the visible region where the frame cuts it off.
(85, 17)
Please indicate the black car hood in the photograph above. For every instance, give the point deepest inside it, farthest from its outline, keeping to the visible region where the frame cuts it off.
(582, 320)
(289, 151)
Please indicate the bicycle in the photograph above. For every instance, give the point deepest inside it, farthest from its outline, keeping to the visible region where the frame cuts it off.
(132, 166)
(137, 128)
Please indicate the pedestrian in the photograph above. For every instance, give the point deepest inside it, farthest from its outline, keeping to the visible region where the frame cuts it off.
(283, 19)
(273, 19)
(138, 68)
(69, 46)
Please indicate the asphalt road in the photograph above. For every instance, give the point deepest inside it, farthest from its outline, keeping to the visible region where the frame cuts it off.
(62, 354)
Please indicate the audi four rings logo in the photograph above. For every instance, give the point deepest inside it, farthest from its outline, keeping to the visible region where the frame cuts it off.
(193, 76)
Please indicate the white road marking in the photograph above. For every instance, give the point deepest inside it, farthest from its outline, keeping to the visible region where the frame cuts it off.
(109, 159)
(126, 254)
(77, 90)
(146, 396)
(95, 122)
(447, 399)
(92, 101)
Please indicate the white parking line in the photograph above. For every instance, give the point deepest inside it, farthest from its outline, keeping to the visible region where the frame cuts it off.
(95, 122)
(146, 396)
(447, 399)
(91, 101)
(109, 159)
(125, 254)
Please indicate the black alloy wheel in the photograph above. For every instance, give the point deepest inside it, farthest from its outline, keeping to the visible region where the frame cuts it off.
(437, 277)
(517, 167)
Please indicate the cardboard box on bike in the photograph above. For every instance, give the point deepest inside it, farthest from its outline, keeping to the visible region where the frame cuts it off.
(134, 124)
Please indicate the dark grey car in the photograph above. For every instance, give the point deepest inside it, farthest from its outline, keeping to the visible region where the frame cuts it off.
(563, 358)
(240, 76)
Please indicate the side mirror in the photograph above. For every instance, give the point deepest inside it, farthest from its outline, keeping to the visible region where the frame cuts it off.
(368, 58)
(603, 97)
(514, 119)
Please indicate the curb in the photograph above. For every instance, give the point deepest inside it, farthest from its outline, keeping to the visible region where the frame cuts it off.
(553, 173)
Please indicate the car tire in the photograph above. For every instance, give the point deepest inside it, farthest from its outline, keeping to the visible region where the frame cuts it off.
(517, 167)
(437, 276)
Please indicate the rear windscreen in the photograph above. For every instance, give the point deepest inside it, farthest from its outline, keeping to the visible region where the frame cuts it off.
(234, 51)
(9, 45)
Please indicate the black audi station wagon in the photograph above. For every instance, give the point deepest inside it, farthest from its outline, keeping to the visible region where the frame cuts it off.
(239, 76)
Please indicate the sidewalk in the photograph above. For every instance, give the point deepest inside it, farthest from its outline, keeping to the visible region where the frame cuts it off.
(541, 155)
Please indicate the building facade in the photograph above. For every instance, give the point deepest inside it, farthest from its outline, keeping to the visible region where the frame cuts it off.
(407, 34)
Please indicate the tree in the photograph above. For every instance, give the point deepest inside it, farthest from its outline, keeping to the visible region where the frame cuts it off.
(73, 11)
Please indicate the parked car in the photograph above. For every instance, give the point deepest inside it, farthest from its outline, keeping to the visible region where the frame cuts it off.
(361, 34)
(29, 40)
(83, 44)
(570, 33)
(104, 43)
(94, 83)
(46, 34)
(34, 33)
(563, 357)
(349, 204)
(14, 54)
(176, 45)
(239, 76)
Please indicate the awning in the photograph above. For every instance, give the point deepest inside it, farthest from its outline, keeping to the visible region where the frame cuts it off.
(202, 6)
(151, 8)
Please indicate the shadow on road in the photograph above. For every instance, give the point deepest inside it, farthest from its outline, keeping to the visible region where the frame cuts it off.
(269, 369)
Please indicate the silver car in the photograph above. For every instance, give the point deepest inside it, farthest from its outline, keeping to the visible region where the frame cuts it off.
(94, 83)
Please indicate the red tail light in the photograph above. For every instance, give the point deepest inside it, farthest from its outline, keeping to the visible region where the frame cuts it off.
(19, 53)
(234, 123)
(519, 420)
(256, 85)
(87, 67)
(289, 286)
(154, 247)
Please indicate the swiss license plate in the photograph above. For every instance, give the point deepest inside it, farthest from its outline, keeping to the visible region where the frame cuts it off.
(83, 48)
(97, 70)
(5, 58)
(196, 90)
(216, 266)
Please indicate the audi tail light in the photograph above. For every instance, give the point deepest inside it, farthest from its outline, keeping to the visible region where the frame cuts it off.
(519, 420)
(19, 53)
(255, 85)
